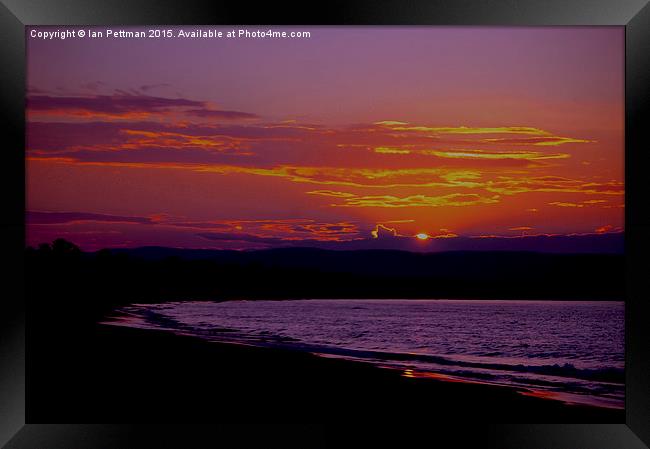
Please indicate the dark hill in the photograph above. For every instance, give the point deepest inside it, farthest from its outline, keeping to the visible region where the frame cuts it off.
(61, 274)
(466, 265)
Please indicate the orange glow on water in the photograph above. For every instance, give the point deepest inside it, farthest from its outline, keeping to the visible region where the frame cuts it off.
(412, 374)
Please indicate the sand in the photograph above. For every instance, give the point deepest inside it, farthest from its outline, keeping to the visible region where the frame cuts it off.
(118, 375)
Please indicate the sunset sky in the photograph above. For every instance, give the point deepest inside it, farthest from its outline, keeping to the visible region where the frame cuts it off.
(358, 134)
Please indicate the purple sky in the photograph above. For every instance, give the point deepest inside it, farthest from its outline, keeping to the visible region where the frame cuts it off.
(440, 131)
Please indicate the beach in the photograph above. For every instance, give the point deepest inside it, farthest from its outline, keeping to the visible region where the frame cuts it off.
(117, 374)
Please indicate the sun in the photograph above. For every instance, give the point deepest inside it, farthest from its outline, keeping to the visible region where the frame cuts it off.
(422, 236)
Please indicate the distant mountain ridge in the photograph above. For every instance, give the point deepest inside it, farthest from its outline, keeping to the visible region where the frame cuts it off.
(456, 264)
(161, 274)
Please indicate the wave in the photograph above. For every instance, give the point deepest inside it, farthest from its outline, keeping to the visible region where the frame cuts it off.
(566, 370)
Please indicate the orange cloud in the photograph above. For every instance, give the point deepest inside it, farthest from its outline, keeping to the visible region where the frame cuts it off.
(539, 141)
(392, 178)
(565, 204)
(389, 150)
(532, 136)
(580, 204)
(510, 185)
(331, 193)
(286, 229)
(380, 230)
(453, 199)
(404, 126)
(608, 228)
(481, 154)
(448, 235)
(140, 139)
(124, 105)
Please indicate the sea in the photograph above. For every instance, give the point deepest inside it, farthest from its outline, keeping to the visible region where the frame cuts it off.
(572, 351)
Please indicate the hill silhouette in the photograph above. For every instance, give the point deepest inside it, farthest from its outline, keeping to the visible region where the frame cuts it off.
(505, 266)
(116, 276)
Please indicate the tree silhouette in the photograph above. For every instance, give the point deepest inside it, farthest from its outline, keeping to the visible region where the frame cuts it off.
(64, 247)
(44, 248)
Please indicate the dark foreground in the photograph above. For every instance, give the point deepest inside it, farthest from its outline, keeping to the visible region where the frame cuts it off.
(82, 372)
(128, 375)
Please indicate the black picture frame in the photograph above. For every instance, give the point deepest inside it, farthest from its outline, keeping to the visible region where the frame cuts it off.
(634, 15)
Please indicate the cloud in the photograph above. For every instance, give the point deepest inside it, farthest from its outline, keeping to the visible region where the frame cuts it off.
(446, 235)
(344, 176)
(100, 142)
(48, 138)
(148, 87)
(295, 232)
(94, 86)
(510, 185)
(565, 204)
(532, 136)
(382, 156)
(331, 193)
(400, 221)
(46, 218)
(284, 229)
(121, 105)
(299, 152)
(586, 203)
(133, 145)
(541, 141)
(194, 159)
(453, 199)
(389, 150)
(474, 154)
(482, 154)
(608, 229)
(382, 231)
(224, 115)
(141, 139)
(126, 105)
(268, 241)
(383, 237)
(403, 126)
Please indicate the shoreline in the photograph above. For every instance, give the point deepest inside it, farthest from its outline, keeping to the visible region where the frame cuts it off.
(387, 361)
(566, 398)
(142, 375)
